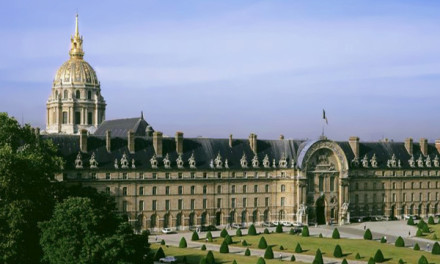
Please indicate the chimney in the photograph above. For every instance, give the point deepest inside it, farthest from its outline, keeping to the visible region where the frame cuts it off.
(179, 142)
(157, 143)
(354, 144)
(108, 140)
(281, 137)
(130, 141)
(437, 145)
(83, 140)
(409, 145)
(424, 146)
(230, 140)
(253, 142)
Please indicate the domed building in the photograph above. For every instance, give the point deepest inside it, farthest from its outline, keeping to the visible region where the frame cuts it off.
(76, 102)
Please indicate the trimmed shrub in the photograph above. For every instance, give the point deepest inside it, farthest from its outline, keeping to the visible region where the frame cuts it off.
(279, 228)
(371, 261)
(223, 233)
(305, 231)
(357, 256)
(202, 260)
(423, 260)
(410, 221)
(378, 257)
(292, 231)
(209, 236)
(416, 247)
(159, 254)
(425, 229)
(195, 236)
(399, 242)
(336, 234)
(318, 257)
(419, 233)
(266, 231)
(421, 223)
(238, 233)
(247, 252)
(252, 231)
(162, 242)
(182, 243)
(298, 248)
(337, 253)
(281, 247)
(344, 261)
(224, 248)
(383, 240)
(320, 235)
(292, 258)
(261, 261)
(431, 220)
(210, 258)
(268, 254)
(228, 239)
(234, 262)
(244, 243)
(401, 261)
(203, 247)
(368, 235)
(435, 249)
(262, 244)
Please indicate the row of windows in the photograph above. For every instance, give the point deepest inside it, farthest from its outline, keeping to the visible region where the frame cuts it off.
(77, 94)
(405, 185)
(405, 197)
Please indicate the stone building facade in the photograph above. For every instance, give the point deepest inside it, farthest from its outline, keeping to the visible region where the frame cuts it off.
(178, 182)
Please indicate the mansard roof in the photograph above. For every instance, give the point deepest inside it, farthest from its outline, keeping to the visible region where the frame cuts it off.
(120, 127)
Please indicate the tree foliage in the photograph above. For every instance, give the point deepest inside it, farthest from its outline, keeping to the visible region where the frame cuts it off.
(399, 242)
(378, 257)
(210, 258)
(298, 248)
(371, 261)
(182, 243)
(292, 258)
(344, 261)
(318, 257)
(410, 221)
(268, 254)
(159, 254)
(436, 249)
(262, 244)
(224, 248)
(228, 239)
(431, 220)
(423, 260)
(305, 231)
(416, 246)
(209, 236)
(368, 235)
(247, 252)
(224, 233)
(266, 231)
(195, 236)
(337, 253)
(261, 261)
(252, 231)
(238, 233)
(279, 228)
(336, 234)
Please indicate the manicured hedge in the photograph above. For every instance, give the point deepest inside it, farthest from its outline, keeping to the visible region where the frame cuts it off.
(261, 261)
(436, 249)
(378, 257)
(268, 254)
(262, 244)
(247, 252)
(252, 231)
(159, 254)
(416, 247)
(337, 253)
(305, 231)
(298, 248)
(318, 257)
(279, 228)
(423, 260)
(399, 242)
(182, 243)
(336, 234)
(224, 248)
(195, 236)
(210, 258)
(238, 233)
(368, 235)
(224, 233)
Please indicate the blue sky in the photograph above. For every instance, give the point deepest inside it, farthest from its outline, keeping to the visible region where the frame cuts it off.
(212, 68)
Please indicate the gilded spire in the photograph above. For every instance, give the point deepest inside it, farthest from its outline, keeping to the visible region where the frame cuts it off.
(76, 51)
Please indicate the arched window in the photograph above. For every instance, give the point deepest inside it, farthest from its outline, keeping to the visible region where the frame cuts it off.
(283, 188)
(78, 95)
(65, 94)
(89, 95)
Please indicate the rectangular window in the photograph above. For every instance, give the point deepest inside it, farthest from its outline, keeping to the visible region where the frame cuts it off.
(332, 184)
(244, 189)
(64, 117)
(255, 202)
(180, 204)
(141, 175)
(180, 175)
(141, 190)
(154, 175)
(244, 202)
(108, 176)
(93, 175)
(219, 175)
(321, 184)
(154, 192)
(167, 175)
(167, 190)
(193, 189)
(266, 201)
(233, 203)
(141, 205)
(193, 175)
(219, 189)
(219, 203)
(205, 189)
(124, 206)
(124, 191)
(205, 175)
(255, 188)
(89, 118)
(124, 176)
(193, 204)
(404, 197)
(266, 188)
(77, 118)
(180, 190)
(233, 189)
(283, 200)
(167, 205)
(205, 202)
(154, 205)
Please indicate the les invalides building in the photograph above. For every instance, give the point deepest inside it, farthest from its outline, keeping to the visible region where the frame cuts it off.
(180, 182)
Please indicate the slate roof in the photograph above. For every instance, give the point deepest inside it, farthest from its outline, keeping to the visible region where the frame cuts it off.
(120, 127)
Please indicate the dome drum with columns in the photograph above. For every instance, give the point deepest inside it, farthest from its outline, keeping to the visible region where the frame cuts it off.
(76, 102)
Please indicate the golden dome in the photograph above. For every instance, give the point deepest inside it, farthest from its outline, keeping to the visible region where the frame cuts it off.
(76, 71)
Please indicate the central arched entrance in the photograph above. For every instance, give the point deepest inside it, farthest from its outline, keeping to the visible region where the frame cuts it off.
(320, 211)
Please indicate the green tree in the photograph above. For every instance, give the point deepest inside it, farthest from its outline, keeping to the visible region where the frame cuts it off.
(399, 242)
(238, 233)
(224, 248)
(419, 233)
(305, 231)
(357, 256)
(162, 242)
(344, 261)
(378, 257)
(195, 236)
(27, 167)
(210, 258)
(209, 236)
(266, 231)
(281, 247)
(298, 248)
(262, 244)
(252, 231)
(244, 243)
(368, 235)
(203, 247)
(416, 247)
(371, 261)
(268, 254)
(318, 257)
(423, 260)
(383, 240)
(247, 252)
(261, 261)
(182, 243)
(228, 239)
(202, 260)
(292, 258)
(224, 233)
(279, 228)
(401, 261)
(410, 221)
(436, 249)
(159, 254)
(431, 220)
(336, 234)
(337, 253)
(234, 262)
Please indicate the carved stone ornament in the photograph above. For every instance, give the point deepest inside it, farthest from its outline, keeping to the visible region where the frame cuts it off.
(420, 161)
(124, 161)
(93, 162)
(211, 164)
(412, 162)
(78, 161)
(255, 162)
(283, 161)
(292, 165)
(179, 162)
(274, 164)
(355, 162)
(153, 162)
(436, 161)
(133, 165)
(167, 162)
(226, 164)
(243, 161)
(428, 162)
(218, 161)
(373, 161)
(392, 163)
(116, 164)
(365, 161)
(266, 162)
(192, 161)
(399, 164)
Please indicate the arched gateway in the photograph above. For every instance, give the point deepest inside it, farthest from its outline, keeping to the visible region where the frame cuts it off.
(322, 183)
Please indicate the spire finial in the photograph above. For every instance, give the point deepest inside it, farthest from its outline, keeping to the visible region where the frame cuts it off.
(142, 115)
(76, 26)
(76, 50)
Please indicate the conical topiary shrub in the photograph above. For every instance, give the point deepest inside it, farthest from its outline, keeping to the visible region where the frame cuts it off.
(224, 233)
(318, 257)
(383, 240)
(336, 234)
(182, 243)
(238, 233)
(268, 254)
(421, 223)
(266, 231)
(209, 236)
(247, 252)
(203, 247)
(305, 231)
(401, 261)
(431, 220)
(368, 235)
(320, 235)
(357, 256)
(159, 254)
(419, 233)
(344, 261)
(224, 248)
(423, 260)
(210, 258)
(281, 247)
(337, 253)
(298, 248)
(416, 247)
(244, 243)
(410, 221)
(279, 228)
(425, 229)
(292, 258)
(252, 231)
(261, 261)
(371, 261)
(234, 262)
(228, 239)
(435, 249)
(162, 242)
(378, 257)
(262, 244)
(195, 236)
(202, 260)
(292, 231)
(399, 242)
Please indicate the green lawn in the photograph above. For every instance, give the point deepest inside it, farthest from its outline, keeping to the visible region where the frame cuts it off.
(350, 247)
(435, 231)
(193, 256)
